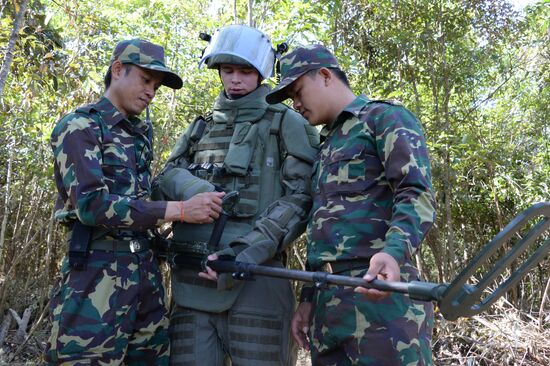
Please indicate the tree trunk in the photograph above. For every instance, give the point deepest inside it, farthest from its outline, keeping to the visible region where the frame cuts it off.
(447, 182)
(250, 17)
(49, 241)
(7, 194)
(8, 57)
(4, 328)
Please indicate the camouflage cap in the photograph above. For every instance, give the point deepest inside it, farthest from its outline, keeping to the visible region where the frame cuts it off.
(147, 55)
(296, 64)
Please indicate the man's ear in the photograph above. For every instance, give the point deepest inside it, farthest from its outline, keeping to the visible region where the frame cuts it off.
(116, 70)
(326, 74)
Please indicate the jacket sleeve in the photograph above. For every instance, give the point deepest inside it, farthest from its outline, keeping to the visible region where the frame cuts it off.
(285, 219)
(81, 181)
(402, 150)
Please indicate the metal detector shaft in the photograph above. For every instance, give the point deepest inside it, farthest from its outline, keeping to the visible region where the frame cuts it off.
(457, 299)
(418, 290)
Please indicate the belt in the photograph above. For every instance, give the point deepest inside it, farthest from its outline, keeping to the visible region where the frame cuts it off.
(129, 246)
(344, 265)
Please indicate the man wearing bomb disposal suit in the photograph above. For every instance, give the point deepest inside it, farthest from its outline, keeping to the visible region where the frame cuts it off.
(372, 205)
(265, 152)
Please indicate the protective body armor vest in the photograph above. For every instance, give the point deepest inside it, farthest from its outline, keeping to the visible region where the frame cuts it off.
(239, 150)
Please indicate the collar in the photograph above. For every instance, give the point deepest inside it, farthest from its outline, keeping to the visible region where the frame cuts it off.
(111, 116)
(352, 109)
(250, 108)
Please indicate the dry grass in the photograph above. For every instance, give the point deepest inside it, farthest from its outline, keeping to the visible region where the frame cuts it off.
(508, 337)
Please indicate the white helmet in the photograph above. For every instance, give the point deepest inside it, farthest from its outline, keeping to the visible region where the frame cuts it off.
(239, 44)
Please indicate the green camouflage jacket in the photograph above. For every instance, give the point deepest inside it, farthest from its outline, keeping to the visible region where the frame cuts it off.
(372, 187)
(102, 169)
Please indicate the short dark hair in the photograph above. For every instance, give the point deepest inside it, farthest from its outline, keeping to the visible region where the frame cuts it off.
(340, 75)
(108, 75)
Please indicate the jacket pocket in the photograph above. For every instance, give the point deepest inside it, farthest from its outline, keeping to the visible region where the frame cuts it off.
(118, 171)
(344, 172)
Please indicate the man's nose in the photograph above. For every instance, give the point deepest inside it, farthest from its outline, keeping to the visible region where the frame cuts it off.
(296, 103)
(150, 91)
(235, 78)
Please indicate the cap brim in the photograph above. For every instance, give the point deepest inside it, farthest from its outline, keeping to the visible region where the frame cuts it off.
(171, 79)
(279, 93)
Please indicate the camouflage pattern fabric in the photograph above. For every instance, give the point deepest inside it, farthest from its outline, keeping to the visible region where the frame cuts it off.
(373, 194)
(112, 312)
(348, 330)
(102, 169)
(147, 55)
(373, 185)
(116, 306)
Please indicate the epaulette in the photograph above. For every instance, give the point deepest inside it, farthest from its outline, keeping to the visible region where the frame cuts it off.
(86, 108)
(388, 101)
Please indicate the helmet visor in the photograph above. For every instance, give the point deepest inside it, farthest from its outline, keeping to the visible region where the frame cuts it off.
(244, 42)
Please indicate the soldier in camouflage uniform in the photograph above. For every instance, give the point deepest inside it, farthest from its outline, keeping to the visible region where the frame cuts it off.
(266, 154)
(372, 206)
(109, 307)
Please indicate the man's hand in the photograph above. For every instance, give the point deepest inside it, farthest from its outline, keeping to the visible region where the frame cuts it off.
(300, 324)
(202, 208)
(383, 267)
(210, 274)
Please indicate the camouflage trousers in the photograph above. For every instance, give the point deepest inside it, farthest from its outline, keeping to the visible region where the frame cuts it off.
(348, 329)
(111, 313)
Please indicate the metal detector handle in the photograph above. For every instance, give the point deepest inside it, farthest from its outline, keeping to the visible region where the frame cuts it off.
(463, 300)
(229, 201)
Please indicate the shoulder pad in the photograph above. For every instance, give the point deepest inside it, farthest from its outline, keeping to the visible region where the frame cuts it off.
(279, 107)
(300, 139)
(388, 101)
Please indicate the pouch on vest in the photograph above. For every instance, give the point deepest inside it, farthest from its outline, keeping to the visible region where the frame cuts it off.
(241, 148)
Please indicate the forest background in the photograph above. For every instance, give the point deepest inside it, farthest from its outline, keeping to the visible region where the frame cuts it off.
(475, 72)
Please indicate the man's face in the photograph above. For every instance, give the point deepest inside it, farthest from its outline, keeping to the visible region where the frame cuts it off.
(307, 98)
(239, 80)
(134, 88)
